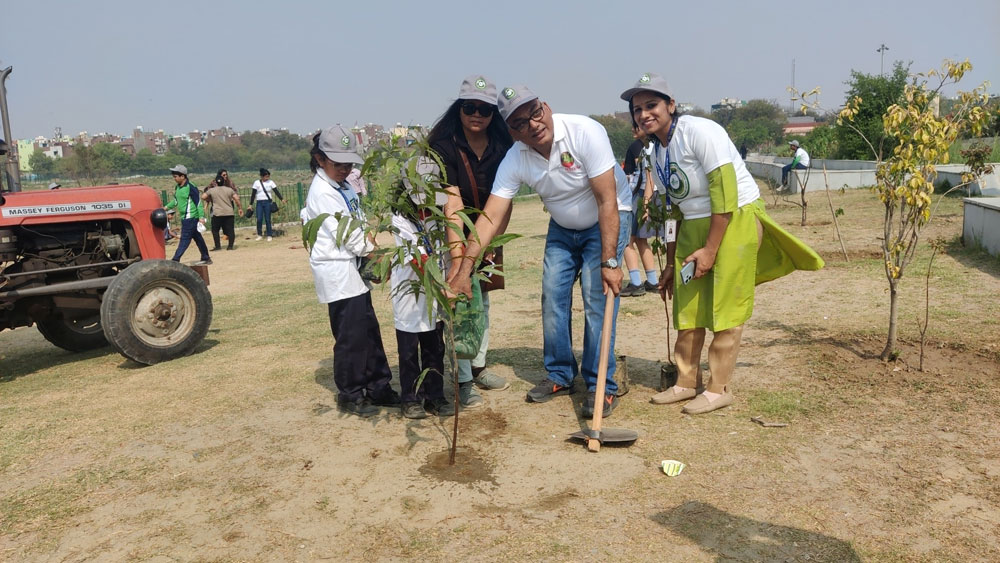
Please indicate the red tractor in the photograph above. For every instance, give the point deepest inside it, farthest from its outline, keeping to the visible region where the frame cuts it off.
(87, 267)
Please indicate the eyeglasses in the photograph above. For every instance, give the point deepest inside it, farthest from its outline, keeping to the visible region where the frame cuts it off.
(347, 165)
(484, 110)
(521, 124)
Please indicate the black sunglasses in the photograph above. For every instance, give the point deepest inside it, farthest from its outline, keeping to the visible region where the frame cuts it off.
(484, 110)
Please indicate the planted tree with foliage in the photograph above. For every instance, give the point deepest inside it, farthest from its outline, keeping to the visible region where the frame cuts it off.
(906, 173)
(394, 175)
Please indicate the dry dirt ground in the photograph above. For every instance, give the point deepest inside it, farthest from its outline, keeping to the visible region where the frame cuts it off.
(237, 453)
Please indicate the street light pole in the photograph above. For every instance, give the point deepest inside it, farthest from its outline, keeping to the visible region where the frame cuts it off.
(882, 49)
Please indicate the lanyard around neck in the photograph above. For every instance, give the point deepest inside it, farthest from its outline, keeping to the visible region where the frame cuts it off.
(664, 172)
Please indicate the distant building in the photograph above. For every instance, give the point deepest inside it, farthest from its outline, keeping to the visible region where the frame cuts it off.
(800, 125)
(728, 103)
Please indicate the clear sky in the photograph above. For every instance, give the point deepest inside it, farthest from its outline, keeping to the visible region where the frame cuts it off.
(179, 65)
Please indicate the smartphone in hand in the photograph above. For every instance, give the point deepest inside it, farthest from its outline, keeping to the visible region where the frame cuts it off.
(687, 272)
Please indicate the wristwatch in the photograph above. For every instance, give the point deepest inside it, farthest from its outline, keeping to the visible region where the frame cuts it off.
(610, 263)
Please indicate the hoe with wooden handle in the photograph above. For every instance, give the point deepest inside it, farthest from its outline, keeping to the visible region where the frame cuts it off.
(595, 437)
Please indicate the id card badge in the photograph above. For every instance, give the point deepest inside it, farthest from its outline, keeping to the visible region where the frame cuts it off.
(671, 230)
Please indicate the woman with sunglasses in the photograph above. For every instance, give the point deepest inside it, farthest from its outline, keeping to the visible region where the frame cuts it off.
(471, 141)
(726, 243)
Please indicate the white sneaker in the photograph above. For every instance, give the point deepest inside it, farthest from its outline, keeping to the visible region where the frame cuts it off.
(268, 239)
(258, 238)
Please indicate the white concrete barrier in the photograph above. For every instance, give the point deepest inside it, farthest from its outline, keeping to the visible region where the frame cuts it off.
(981, 224)
(851, 174)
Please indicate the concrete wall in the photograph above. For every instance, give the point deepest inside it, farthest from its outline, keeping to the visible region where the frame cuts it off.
(841, 173)
(858, 174)
(981, 224)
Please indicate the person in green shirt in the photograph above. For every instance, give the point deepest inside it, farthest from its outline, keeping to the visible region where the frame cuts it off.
(188, 206)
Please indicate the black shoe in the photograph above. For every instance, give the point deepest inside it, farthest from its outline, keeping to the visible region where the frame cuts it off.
(205, 262)
(546, 390)
(632, 290)
(361, 407)
(229, 248)
(610, 402)
(414, 409)
(387, 398)
(440, 407)
(650, 287)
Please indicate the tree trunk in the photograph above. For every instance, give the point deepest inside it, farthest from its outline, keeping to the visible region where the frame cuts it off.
(890, 342)
(802, 194)
(449, 327)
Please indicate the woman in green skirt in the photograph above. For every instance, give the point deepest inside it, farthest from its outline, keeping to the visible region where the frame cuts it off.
(722, 230)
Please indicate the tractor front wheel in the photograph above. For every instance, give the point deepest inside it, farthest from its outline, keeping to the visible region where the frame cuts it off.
(156, 310)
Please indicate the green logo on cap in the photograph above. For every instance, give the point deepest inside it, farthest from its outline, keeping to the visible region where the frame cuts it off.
(481, 84)
(509, 93)
(644, 78)
(345, 140)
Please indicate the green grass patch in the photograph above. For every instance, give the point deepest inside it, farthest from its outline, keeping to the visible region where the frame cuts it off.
(783, 405)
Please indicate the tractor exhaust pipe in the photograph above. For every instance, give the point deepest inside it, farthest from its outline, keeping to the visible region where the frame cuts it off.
(13, 171)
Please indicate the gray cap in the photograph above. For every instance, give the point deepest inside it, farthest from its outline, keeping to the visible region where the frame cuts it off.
(338, 145)
(794, 143)
(54, 185)
(478, 87)
(180, 169)
(513, 97)
(651, 82)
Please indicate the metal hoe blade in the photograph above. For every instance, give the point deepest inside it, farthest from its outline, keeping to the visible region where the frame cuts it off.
(612, 435)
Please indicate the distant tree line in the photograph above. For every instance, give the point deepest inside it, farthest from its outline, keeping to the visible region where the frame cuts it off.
(106, 160)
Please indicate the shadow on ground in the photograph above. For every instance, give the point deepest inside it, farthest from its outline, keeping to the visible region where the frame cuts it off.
(737, 538)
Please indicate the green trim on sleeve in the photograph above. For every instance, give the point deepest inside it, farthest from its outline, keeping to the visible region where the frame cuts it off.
(722, 189)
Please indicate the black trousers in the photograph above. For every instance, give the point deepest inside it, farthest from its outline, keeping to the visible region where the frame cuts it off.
(360, 368)
(225, 223)
(419, 351)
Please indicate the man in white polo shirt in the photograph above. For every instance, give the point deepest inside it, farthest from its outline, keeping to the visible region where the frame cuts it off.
(568, 161)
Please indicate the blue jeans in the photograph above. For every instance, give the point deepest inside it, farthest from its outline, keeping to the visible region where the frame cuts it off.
(569, 253)
(263, 215)
(189, 231)
(788, 168)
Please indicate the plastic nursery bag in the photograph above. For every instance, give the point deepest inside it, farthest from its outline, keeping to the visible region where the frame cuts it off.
(470, 325)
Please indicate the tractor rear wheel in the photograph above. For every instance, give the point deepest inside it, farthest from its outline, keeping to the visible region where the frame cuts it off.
(156, 310)
(74, 335)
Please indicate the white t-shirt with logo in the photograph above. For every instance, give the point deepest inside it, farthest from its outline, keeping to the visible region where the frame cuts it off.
(580, 151)
(698, 147)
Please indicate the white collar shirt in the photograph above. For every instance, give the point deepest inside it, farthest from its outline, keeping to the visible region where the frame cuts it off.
(580, 151)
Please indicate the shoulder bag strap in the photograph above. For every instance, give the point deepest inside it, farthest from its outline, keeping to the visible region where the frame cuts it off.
(472, 177)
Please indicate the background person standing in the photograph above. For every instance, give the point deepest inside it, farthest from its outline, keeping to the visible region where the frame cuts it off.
(225, 201)
(188, 206)
(262, 194)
